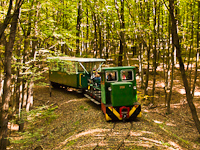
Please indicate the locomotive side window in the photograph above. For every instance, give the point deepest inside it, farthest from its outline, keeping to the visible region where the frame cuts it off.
(111, 76)
(127, 75)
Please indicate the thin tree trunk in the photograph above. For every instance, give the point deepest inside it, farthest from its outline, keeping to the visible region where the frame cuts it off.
(176, 43)
(100, 37)
(141, 64)
(147, 72)
(148, 52)
(87, 33)
(122, 26)
(171, 83)
(191, 38)
(29, 102)
(197, 54)
(78, 27)
(154, 56)
(107, 37)
(95, 33)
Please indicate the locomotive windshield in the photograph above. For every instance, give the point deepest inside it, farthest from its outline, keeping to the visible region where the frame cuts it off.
(127, 75)
(111, 76)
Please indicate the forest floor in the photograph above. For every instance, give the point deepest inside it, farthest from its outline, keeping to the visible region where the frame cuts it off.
(67, 120)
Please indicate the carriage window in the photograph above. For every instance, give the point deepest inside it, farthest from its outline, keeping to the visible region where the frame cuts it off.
(54, 66)
(111, 76)
(127, 75)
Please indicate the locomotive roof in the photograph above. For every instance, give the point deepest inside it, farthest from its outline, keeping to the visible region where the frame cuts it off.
(77, 59)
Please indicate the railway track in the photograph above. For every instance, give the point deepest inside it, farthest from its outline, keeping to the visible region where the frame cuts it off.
(115, 138)
(81, 125)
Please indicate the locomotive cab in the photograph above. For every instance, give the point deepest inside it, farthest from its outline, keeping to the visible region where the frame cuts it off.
(119, 93)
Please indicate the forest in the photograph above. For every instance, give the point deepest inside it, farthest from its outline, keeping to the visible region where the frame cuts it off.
(159, 37)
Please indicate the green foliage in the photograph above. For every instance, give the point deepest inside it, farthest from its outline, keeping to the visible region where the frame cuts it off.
(34, 118)
(72, 142)
(83, 107)
(165, 144)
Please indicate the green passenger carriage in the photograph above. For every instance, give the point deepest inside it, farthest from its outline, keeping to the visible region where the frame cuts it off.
(114, 88)
(71, 71)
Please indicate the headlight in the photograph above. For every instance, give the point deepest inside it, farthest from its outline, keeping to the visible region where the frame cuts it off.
(134, 87)
(109, 89)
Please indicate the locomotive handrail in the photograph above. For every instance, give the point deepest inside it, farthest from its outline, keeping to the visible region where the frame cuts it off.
(84, 68)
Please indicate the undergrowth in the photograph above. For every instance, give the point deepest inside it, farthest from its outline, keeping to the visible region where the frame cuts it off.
(36, 122)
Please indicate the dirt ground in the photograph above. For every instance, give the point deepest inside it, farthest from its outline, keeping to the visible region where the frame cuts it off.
(78, 123)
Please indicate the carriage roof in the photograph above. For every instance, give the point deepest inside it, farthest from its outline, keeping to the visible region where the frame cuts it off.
(118, 68)
(76, 59)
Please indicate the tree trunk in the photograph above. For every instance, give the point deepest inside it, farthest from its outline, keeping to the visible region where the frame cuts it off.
(122, 26)
(100, 36)
(176, 43)
(171, 83)
(7, 19)
(87, 33)
(95, 34)
(78, 27)
(154, 55)
(191, 38)
(107, 37)
(147, 72)
(29, 102)
(141, 45)
(197, 53)
(148, 52)
(7, 82)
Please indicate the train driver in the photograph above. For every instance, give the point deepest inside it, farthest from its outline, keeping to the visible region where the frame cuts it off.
(109, 77)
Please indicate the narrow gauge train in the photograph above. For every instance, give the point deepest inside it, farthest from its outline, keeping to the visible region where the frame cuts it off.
(114, 88)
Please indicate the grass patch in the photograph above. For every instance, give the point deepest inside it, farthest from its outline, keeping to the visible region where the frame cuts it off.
(71, 143)
(36, 121)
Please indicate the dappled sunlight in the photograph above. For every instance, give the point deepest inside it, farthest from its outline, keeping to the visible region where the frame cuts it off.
(89, 132)
(178, 105)
(135, 133)
(150, 140)
(197, 105)
(138, 143)
(160, 84)
(197, 93)
(88, 145)
(103, 143)
(170, 124)
(147, 132)
(145, 110)
(73, 100)
(176, 65)
(176, 81)
(140, 133)
(13, 127)
(181, 91)
(174, 144)
(147, 143)
(160, 68)
(158, 122)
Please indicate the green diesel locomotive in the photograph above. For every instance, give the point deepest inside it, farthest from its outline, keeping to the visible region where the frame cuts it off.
(114, 88)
